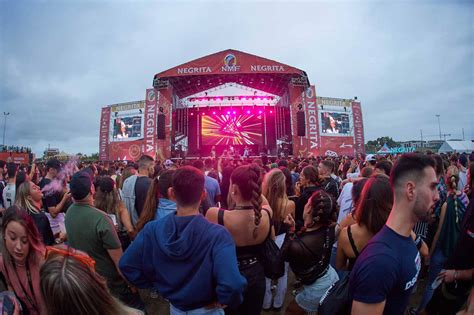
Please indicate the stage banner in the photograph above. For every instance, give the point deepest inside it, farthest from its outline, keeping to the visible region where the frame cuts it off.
(228, 62)
(358, 128)
(312, 123)
(165, 101)
(150, 143)
(104, 134)
(337, 146)
(15, 157)
(300, 146)
(129, 150)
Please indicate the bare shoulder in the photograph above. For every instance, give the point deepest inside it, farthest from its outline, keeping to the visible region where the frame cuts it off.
(211, 214)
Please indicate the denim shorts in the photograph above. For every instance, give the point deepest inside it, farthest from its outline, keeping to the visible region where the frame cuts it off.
(197, 311)
(308, 299)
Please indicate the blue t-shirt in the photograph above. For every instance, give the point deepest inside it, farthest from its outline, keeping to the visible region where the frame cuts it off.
(212, 189)
(387, 269)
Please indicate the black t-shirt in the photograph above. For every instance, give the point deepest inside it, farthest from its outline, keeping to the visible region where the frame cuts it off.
(141, 190)
(50, 198)
(309, 253)
(42, 223)
(331, 186)
(2, 186)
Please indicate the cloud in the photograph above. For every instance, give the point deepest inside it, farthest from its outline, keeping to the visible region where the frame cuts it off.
(61, 62)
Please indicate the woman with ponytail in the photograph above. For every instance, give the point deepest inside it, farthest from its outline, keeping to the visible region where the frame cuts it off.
(249, 223)
(309, 250)
(447, 233)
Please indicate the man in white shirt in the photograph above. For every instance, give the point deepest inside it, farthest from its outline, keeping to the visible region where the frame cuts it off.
(9, 191)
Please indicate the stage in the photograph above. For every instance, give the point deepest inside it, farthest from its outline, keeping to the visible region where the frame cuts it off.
(231, 99)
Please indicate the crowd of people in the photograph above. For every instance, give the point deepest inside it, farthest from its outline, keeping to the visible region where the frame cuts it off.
(194, 234)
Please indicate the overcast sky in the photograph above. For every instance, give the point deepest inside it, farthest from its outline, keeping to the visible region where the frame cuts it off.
(61, 61)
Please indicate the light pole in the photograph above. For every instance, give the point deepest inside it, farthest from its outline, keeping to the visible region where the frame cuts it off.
(5, 115)
(439, 126)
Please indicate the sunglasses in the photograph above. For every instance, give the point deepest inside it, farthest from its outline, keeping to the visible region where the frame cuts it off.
(70, 252)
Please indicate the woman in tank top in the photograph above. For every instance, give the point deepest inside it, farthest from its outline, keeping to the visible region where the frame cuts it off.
(249, 223)
(274, 189)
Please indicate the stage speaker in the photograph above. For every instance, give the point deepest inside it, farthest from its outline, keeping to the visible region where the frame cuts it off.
(160, 130)
(300, 124)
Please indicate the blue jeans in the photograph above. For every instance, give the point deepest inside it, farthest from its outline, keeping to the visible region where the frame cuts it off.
(308, 298)
(197, 311)
(436, 265)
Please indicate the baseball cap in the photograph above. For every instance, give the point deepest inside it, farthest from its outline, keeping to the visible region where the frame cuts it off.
(53, 163)
(370, 157)
(80, 185)
(168, 163)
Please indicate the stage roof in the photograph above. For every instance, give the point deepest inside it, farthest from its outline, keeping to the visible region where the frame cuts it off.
(230, 66)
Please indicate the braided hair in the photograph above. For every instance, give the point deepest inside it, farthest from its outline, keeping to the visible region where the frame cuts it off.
(247, 178)
(323, 208)
(453, 177)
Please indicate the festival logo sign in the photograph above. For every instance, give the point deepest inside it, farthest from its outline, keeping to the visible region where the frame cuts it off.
(230, 64)
(358, 128)
(104, 133)
(150, 122)
(312, 127)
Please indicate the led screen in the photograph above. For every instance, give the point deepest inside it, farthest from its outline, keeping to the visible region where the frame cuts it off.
(231, 129)
(127, 128)
(333, 123)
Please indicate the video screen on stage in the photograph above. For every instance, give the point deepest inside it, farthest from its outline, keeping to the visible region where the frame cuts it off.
(127, 128)
(231, 129)
(126, 122)
(334, 123)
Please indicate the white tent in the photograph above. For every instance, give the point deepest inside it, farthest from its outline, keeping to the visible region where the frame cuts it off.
(458, 146)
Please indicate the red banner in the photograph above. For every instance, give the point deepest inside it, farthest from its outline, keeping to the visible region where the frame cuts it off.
(150, 121)
(18, 158)
(228, 62)
(104, 134)
(337, 146)
(358, 128)
(129, 150)
(312, 122)
(165, 100)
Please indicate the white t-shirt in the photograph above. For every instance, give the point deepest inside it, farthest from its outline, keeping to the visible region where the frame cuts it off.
(462, 180)
(9, 195)
(345, 203)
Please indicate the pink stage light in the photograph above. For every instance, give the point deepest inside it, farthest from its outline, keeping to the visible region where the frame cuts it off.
(213, 113)
(204, 114)
(248, 112)
(192, 114)
(218, 99)
(228, 113)
(259, 98)
(259, 111)
(244, 98)
(233, 112)
(271, 112)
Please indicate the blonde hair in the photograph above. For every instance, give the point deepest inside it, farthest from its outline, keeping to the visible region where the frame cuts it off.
(21, 199)
(71, 287)
(452, 175)
(274, 189)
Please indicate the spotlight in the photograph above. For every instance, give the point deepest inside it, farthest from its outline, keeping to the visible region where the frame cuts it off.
(259, 111)
(192, 114)
(233, 112)
(213, 113)
(228, 113)
(248, 112)
(271, 112)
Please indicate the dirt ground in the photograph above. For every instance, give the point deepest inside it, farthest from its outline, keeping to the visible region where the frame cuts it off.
(158, 306)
